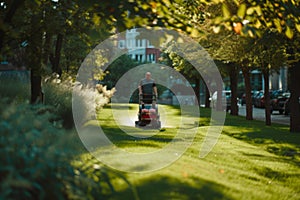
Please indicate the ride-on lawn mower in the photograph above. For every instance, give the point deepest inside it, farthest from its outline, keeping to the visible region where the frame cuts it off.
(148, 116)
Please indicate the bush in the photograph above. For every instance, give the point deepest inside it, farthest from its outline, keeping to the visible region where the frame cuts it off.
(59, 93)
(33, 160)
(39, 160)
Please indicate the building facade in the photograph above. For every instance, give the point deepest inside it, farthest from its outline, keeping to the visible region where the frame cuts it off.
(139, 49)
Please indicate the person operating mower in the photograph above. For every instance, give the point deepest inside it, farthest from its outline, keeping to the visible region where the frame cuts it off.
(147, 89)
(148, 109)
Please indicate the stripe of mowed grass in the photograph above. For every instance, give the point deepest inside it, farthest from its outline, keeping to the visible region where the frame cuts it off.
(123, 136)
(249, 161)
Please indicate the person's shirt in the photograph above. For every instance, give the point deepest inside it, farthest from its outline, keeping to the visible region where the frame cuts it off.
(147, 86)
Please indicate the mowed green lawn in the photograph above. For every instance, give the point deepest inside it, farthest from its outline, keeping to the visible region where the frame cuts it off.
(249, 161)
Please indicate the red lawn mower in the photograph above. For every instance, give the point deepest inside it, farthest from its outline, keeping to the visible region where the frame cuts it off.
(148, 116)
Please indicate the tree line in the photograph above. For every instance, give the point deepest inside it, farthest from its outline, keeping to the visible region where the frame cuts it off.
(55, 36)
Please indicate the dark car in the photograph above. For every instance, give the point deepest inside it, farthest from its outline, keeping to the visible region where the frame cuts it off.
(259, 100)
(278, 100)
(243, 98)
(287, 107)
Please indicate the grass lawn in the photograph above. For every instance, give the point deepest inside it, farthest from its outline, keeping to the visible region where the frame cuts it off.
(250, 160)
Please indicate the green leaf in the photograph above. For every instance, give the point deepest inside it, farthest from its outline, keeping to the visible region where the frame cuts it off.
(258, 10)
(195, 33)
(96, 20)
(297, 27)
(250, 10)
(226, 11)
(242, 10)
(218, 20)
(237, 2)
(289, 32)
(167, 3)
(257, 24)
(278, 25)
(145, 6)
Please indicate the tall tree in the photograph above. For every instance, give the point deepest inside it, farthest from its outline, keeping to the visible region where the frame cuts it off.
(188, 69)
(293, 51)
(117, 69)
(269, 54)
(40, 24)
(232, 50)
(253, 17)
(8, 10)
(233, 74)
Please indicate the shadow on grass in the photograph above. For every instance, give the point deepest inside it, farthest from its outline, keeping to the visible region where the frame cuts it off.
(275, 139)
(165, 187)
(272, 174)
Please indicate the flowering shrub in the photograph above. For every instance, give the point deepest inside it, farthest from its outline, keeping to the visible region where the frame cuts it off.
(59, 93)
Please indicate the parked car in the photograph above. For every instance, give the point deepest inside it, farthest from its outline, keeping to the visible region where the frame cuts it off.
(276, 93)
(253, 94)
(278, 100)
(287, 107)
(259, 100)
(226, 95)
(243, 99)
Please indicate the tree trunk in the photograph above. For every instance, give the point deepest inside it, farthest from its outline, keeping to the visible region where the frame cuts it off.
(220, 103)
(267, 97)
(197, 89)
(249, 108)
(12, 8)
(35, 78)
(233, 74)
(294, 99)
(36, 89)
(207, 96)
(35, 54)
(55, 59)
(47, 47)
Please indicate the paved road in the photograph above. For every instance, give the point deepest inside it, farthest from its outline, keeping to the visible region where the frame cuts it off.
(259, 114)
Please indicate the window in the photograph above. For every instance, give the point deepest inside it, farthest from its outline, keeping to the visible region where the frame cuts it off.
(141, 43)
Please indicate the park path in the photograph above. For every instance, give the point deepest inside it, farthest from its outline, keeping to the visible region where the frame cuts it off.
(259, 114)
